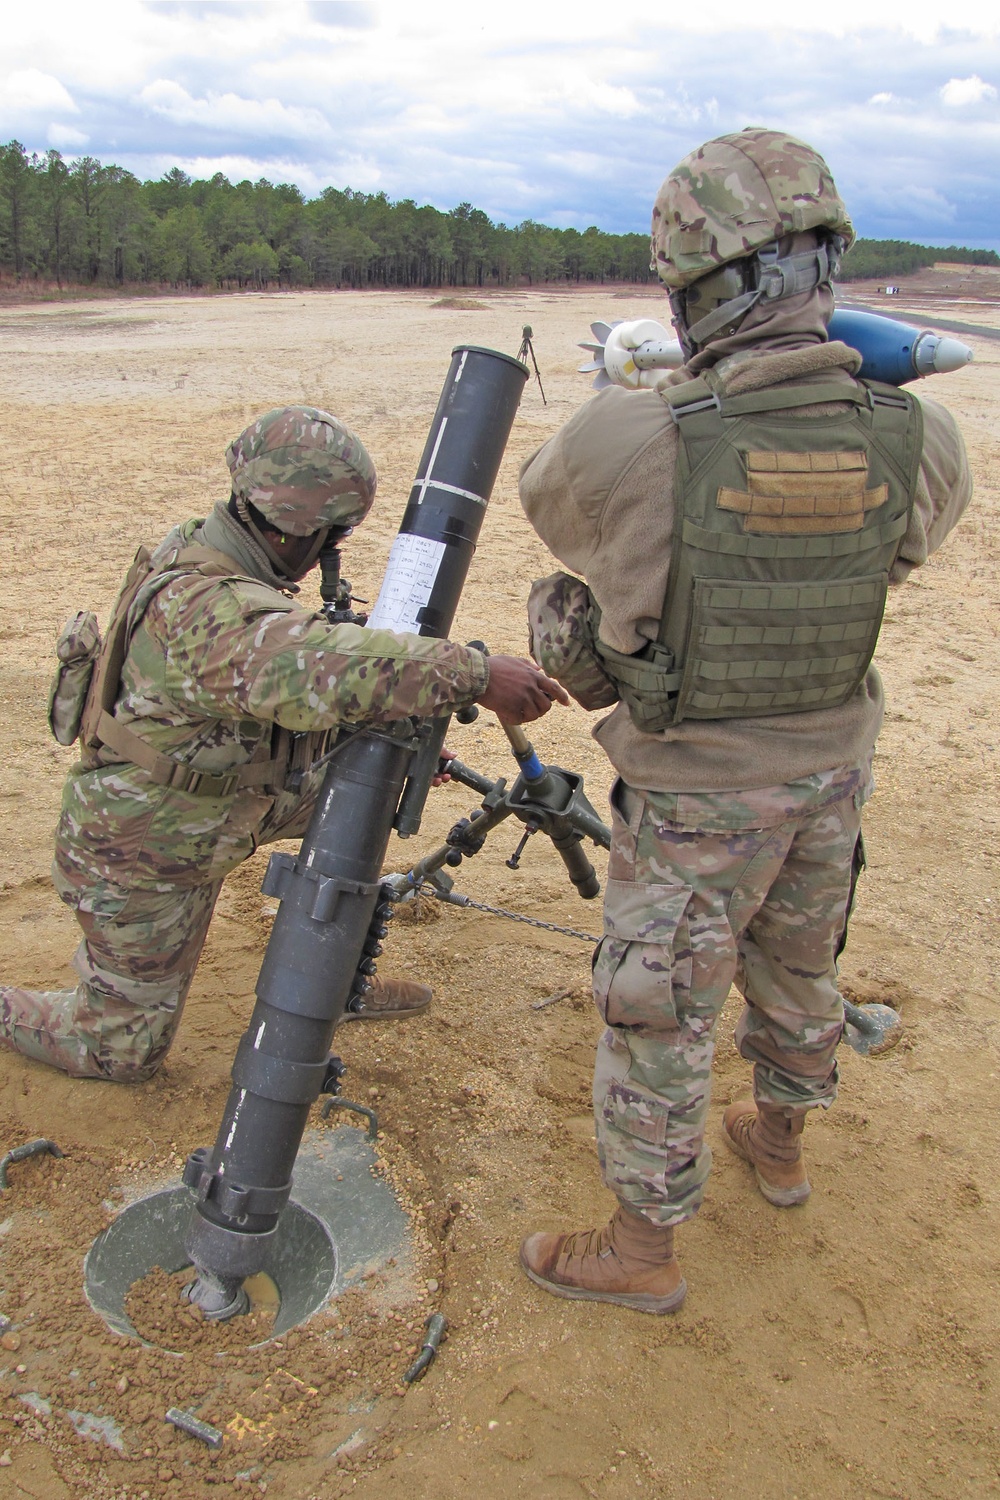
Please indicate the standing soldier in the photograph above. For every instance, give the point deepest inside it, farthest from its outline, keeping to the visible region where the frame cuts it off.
(737, 528)
(201, 721)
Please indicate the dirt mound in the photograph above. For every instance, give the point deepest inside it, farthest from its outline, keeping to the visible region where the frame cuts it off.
(461, 304)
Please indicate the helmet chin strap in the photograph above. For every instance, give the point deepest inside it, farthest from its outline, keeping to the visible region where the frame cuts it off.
(281, 566)
(764, 277)
(309, 561)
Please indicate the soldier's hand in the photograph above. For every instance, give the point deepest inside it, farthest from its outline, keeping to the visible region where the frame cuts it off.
(443, 774)
(518, 691)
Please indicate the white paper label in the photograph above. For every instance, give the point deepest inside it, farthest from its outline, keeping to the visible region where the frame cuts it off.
(408, 583)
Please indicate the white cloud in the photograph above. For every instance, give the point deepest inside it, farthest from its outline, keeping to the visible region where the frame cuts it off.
(883, 99)
(65, 138)
(30, 91)
(363, 174)
(958, 92)
(608, 100)
(519, 88)
(565, 21)
(116, 45)
(917, 203)
(585, 164)
(233, 113)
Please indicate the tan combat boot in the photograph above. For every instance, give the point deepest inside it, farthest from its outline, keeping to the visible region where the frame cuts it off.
(771, 1142)
(389, 1000)
(630, 1262)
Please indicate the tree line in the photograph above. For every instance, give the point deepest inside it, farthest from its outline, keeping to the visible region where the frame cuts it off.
(871, 260)
(84, 223)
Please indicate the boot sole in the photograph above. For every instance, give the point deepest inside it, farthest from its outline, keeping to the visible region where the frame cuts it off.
(777, 1197)
(384, 1015)
(782, 1197)
(643, 1302)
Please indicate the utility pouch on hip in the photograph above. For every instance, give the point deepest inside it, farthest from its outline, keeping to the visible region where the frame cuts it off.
(78, 647)
(646, 681)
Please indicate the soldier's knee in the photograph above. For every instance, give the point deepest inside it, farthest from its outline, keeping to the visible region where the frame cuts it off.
(132, 1041)
(137, 1055)
(84, 1063)
(132, 1070)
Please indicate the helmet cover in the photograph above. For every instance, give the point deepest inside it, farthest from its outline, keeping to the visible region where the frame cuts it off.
(735, 194)
(303, 470)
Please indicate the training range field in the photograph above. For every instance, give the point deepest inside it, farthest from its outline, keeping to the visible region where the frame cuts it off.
(847, 1348)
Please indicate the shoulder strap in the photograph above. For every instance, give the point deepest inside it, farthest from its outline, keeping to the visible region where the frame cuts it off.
(897, 431)
(699, 396)
(105, 682)
(204, 560)
(806, 393)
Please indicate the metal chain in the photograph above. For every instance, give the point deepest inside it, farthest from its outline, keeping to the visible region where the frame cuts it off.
(512, 916)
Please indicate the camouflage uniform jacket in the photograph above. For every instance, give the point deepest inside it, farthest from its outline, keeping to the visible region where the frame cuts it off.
(600, 495)
(216, 666)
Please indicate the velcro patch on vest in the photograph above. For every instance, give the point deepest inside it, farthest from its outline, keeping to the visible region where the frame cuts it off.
(797, 494)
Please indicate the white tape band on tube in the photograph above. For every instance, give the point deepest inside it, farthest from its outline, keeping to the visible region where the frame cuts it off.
(448, 489)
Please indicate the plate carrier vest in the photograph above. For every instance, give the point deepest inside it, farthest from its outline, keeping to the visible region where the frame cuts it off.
(786, 528)
(98, 725)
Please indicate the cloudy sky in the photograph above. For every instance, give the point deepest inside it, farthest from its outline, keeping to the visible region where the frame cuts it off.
(566, 113)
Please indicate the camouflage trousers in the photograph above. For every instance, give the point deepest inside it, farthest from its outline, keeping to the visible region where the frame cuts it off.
(704, 890)
(135, 969)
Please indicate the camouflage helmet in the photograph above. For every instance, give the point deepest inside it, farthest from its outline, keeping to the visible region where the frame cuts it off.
(736, 194)
(303, 470)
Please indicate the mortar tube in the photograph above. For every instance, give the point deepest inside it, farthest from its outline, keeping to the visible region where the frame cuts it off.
(328, 894)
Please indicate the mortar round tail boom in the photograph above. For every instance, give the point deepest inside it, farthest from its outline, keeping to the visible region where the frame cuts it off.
(891, 351)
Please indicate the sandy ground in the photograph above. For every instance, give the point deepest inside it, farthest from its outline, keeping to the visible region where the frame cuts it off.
(847, 1348)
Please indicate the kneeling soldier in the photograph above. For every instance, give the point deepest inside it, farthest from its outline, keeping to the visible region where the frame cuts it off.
(211, 700)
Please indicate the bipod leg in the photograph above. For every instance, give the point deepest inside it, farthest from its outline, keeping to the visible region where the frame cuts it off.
(465, 839)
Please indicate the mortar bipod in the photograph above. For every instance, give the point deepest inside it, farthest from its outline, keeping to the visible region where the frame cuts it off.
(547, 799)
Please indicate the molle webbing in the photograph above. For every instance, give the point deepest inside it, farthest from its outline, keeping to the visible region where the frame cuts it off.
(785, 530)
(100, 727)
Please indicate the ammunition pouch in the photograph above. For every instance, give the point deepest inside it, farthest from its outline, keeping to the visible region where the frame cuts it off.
(646, 682)
(78, 648)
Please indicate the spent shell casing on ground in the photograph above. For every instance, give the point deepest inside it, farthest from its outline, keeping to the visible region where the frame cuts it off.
(194, 1427)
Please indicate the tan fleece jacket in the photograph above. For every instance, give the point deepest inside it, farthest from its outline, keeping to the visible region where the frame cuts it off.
(600, 495)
